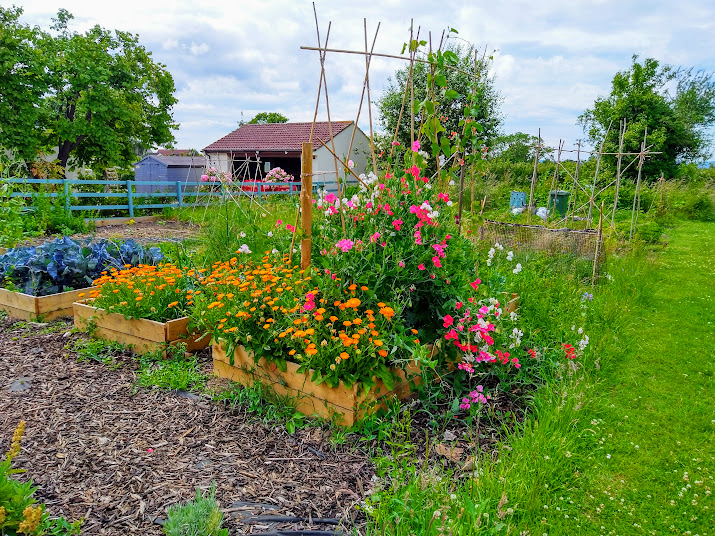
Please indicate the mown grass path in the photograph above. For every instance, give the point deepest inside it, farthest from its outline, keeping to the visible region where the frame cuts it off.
(654, 468)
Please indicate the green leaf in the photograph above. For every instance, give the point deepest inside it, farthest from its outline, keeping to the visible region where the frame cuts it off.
(451, 94)
(440, 80)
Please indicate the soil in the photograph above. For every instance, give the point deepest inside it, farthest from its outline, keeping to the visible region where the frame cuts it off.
(142, 232)
(116, 455)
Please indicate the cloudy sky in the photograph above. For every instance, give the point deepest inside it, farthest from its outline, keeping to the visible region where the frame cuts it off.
(552, 58)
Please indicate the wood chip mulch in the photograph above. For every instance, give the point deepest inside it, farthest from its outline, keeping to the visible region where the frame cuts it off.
(100, 448)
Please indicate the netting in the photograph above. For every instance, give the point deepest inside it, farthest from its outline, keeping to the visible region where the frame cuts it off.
(579, 251)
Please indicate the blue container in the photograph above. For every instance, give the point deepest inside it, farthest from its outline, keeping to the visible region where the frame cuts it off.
(517, 199)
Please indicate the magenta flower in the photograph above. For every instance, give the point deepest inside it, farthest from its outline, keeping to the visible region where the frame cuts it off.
(436, 262)
(397, 224)
(416, 146)
(345, 245)
(401, 264)
(279, 223)
(330, 198)
(421, 266)
(374, 237)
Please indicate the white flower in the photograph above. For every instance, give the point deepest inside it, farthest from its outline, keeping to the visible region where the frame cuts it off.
(242, 234)
(449, 203)
(452, 183)
(270, 233)
(580, 330)
(510, 256)
(491, 253)
(499, 246)
(489, 262)
(244, 249)
(583, 342)
(351, 164)
(274, 251)
(423, 154)
(518, 268)
(513, 316)
(425, 206)
(442, 160)
(428, 186)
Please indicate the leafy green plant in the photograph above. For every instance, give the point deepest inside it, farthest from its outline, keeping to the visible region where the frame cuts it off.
(65, 265)
(175, 371)
(11, 226)
(200, 517)
(100, 350)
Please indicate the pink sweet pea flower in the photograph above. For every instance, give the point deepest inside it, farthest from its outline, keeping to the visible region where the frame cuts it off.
(421, 266)
(416, 146)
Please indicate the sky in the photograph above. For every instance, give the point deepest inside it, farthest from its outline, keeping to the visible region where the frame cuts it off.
(233, 59)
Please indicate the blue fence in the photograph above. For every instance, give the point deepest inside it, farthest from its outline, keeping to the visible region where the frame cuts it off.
(183, 194)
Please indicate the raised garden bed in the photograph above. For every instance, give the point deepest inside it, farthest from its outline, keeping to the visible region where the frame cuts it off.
(29, 307)
(143, 335)
(346, 405)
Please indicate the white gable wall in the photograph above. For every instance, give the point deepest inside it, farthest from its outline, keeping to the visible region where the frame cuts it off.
(323, 161)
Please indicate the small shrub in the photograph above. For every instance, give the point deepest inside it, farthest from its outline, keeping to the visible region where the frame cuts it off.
(200, 517)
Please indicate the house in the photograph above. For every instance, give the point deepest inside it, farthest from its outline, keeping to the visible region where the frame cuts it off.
(169, 169)
(252, 150)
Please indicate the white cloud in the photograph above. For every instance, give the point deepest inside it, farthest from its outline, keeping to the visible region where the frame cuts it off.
(554, 58)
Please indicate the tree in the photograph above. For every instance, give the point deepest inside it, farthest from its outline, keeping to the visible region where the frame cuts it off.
(268, 117)
(93, 96)
(518, 147)
(677, 106)
(474, 76)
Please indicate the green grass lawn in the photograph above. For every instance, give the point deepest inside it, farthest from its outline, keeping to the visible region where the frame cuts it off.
(653, 467)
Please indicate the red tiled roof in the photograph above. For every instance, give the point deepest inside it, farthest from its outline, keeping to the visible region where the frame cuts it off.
(173, 152)
(275, 136)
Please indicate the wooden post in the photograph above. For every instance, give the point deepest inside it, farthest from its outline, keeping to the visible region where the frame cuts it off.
(130, 200)
(306, 203)
(598, 245)
(533, 179)
(67, 195)
(461, 197)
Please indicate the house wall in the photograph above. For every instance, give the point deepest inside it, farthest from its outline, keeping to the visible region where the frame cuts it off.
(220, 161)
(324, 161)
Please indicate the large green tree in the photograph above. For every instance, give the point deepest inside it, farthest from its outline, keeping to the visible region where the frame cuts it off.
(470, 76)
(91, 96)
(676, 106)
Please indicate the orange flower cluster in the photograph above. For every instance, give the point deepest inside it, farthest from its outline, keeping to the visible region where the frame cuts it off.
(277, 311)
(159, 293)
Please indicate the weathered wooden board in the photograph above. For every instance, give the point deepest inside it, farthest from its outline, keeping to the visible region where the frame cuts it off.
(345, 405)
(143, 335)
(28, 307)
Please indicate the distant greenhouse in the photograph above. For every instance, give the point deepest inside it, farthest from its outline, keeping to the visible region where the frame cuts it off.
(168, 169)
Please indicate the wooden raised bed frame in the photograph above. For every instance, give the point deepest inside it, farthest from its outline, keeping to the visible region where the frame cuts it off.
(28, 307)
(345, 405)
(143, 335)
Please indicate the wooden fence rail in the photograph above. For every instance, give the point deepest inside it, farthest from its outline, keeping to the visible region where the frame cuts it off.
(180, 194)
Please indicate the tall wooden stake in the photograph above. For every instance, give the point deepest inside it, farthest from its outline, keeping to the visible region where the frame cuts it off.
(598, 245)
(306, 203)
(533, 179)
(622, 135)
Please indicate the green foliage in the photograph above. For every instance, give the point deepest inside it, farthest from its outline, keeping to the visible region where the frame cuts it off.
(91, 95)
(473, 78)
(175, 371)
(100, 350)
(677, 124)
(200, 517)
(268, 117)
(517, 147)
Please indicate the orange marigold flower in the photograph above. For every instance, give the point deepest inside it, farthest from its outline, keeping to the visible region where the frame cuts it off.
(333, 318)
(344, 355)
(319, 317)
(377, 342)
(383, 353)
(347, 323)
(292, 352)
(380, 304)
(413, 331)
(363, 287)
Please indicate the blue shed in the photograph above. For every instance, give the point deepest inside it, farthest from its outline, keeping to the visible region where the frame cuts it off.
(169, 169)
